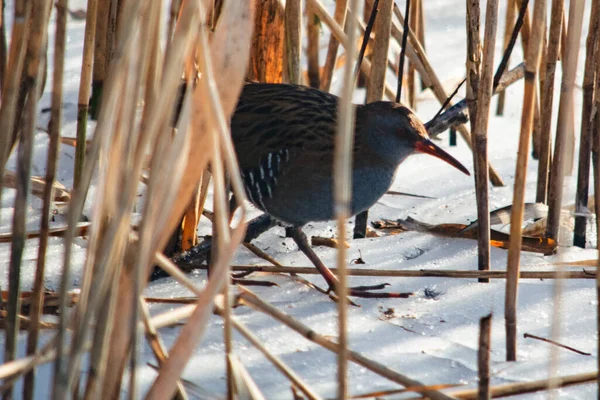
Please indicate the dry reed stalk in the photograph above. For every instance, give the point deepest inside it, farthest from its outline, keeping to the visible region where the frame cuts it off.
(12, 80)
(230, 37)
(111, 34)
(440, 93)
(292, 73)
(99, 64)
(596, 156)
(587, 115)
(276, 361)
(313, 27)
(342, 187)
(32, 83)
(398, 35)
(165, 384)
(174, 10)
(547, 95)
(512, 389)
(253, 301)
(102, 138)
(339, 17)
(484, 93)
(157, 345)
(379, 56)
(483, 357)
(37, 300)
(473, 73)
(336, 30)
(510, 16)
(170, 164)
(525, 39)
(3, 48)
(565, 118)
(245, 387)
(516, 222)
(85, 82)
(376, 84)
(421, 273)
(268, 39)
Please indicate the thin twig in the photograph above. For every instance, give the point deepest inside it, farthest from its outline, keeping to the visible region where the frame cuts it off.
(365, 41)
(529, 335)
(403, 51)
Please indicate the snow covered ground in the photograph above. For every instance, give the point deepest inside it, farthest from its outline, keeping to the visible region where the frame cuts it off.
(429, 338)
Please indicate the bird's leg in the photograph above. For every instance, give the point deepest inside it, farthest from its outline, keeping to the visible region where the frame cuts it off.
(363, 291)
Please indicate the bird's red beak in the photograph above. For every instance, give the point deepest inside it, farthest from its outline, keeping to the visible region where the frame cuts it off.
(428, 147)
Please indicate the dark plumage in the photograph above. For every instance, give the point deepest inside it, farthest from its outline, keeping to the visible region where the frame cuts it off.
(284, 139)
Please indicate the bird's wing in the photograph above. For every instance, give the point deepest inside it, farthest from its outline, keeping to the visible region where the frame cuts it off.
(279, 118)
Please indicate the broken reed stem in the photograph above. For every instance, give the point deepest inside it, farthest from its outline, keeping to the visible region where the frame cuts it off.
(407, 29)
(483, 357)
(585, 141)
(439, 91)
(516, 222)
(85, 82)
(342, 186)
(37, 299)
(457, 113)
(339, 16)
(293, 39)
(511, 14)
(565, 118)
(547, 96)
(256, 303)
(421, 273)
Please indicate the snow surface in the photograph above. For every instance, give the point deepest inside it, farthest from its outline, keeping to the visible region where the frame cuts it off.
(429, 338)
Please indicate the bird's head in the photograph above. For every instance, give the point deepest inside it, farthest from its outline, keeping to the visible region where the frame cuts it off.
(398, 133)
